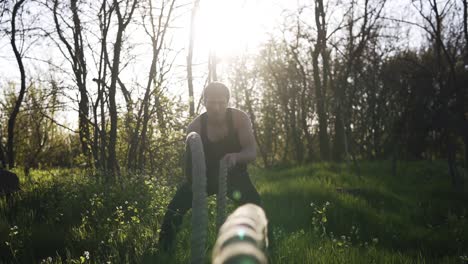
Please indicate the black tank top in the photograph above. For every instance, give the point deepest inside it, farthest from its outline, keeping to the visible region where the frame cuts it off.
(215, 151)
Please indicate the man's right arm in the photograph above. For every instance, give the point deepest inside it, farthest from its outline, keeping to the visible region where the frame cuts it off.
(194, 126)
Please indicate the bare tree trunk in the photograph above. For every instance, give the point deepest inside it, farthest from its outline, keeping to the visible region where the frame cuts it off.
(212, 61)
(103, 133)
(321, 83)
(145, 105)
(463, 107)
(80, 74)
(78, 64)
(304, 105)
(343, 95)
(157, 34)
(2, 154)
(159, 109)
(104, 22)
(189, 58)
(321, 109)
(295, 133)
(447, 84)
(305, 126)
(122, 24)
(19, 100)
(95, 143)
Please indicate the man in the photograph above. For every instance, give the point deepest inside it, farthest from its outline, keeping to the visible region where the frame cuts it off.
(226, 133)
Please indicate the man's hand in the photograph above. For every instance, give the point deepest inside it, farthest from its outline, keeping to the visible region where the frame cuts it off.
(231, 160)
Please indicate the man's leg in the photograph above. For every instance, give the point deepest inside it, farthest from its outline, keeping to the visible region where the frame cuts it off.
(241, 190)
(179, 205)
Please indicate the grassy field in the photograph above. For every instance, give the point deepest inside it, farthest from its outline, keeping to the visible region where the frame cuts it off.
(325, 213)
(319, 213)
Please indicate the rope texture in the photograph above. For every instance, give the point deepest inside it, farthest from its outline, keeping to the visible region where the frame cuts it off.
(221, 196)
(243, 238)
(199, 203)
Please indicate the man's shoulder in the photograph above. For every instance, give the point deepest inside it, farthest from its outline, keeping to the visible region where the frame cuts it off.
(240, 118)
(195, 124)
(237, 113)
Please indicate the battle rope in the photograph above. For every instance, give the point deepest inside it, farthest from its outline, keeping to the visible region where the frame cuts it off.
(199, 204)
(221, 196)
(243, 238)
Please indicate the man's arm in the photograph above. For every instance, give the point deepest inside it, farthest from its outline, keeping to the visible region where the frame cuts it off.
(194, 126)
(248, 151)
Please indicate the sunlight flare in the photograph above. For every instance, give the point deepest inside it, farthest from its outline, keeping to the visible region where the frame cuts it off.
(227, 28)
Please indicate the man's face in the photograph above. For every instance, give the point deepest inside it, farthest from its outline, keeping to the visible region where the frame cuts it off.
(216, 104)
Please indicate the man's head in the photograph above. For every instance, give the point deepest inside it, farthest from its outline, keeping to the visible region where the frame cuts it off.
(216, 98)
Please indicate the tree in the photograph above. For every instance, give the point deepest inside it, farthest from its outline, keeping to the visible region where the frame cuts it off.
(19, 100)
(464, 95)
(100, 132)
(156, 32)
(305, 93)
(76, 57)
(123, 19)
(190, 56)
(321, 80)
(452, 115)
(2, 153)
(349, 69)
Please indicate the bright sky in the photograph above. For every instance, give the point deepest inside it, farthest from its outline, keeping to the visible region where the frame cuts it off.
(230, 27)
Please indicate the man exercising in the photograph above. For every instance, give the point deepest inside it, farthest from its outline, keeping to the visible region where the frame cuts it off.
(227, 134)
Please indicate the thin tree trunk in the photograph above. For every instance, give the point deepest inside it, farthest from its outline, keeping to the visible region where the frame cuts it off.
(321, 112)
(122, 24)
(464, 97)
(320, 83)
(212, 61)
(189, 58)
(157, 38)
(112, 159)
(104, 22)
(80, 74)
(304, 106)
(2, 155)
(296, 136)
(78, 64)
(19, 100)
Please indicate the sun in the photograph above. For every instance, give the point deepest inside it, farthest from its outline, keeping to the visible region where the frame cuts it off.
(227, 27)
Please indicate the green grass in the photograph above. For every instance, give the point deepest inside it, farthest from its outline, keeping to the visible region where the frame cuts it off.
(413, 217)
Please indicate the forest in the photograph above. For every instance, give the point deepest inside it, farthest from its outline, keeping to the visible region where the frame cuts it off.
(359, 110)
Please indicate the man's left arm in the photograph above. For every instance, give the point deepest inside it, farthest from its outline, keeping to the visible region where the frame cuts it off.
(248, 151)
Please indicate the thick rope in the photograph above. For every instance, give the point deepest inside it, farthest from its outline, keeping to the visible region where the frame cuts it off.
(221, 196)
(243, 238)
(199, 204)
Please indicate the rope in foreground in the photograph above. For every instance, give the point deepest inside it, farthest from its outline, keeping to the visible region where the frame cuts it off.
(221, 196)
(199, 204)
(243, 238)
